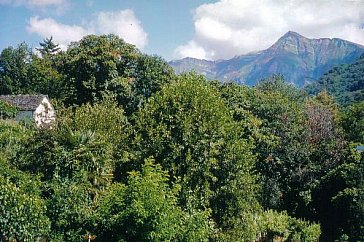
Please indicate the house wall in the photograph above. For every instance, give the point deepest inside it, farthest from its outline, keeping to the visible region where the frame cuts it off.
(45, 114)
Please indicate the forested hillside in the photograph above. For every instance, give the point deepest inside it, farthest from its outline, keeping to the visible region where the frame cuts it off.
(141, 154)
(345, 83)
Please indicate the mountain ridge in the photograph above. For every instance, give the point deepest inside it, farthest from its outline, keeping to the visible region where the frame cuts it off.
(299, 59)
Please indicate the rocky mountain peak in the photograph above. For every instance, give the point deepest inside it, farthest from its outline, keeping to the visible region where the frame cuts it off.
(293, 34)
(291, 42)
(299, 59)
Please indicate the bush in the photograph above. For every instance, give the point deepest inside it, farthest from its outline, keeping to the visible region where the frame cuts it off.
(22, 215)
(146, 209)
(275, 224)
(69, 205)
(7, 111)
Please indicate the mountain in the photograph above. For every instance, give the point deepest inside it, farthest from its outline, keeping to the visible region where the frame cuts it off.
(299, 59)
(345, 83)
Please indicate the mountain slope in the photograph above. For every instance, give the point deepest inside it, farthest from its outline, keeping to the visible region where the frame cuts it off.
(345, 83)
(205, 67)
(300, 60)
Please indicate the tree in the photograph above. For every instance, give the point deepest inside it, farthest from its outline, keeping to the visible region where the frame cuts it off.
(14, 68)
(339, 200)
(105, 119)
(297, 140)
(304, 143)
(190, 131)
(48, 48)
(45, 78)
(279, 226)
(146, 209)
(281, 147)
(22, 72)
(22, 210)
(105, 66)
(91, 139)
(352, 121)
(151, 73)
(90, 64)
(70, 207)
(345, 83)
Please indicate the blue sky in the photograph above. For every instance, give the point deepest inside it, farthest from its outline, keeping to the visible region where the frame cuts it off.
(208, 29)
(168, 23)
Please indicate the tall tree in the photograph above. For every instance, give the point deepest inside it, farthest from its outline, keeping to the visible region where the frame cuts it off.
(190, 131)
(45, 78)
(48, 47)
(14, 69)
(339, 200)
(92, 63)
(352, 121)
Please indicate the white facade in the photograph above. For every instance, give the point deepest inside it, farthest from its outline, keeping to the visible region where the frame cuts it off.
(44, 114)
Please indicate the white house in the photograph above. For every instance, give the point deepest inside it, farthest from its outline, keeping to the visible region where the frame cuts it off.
(35, 107)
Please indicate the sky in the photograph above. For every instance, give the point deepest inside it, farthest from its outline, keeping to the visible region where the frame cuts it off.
(174, 29)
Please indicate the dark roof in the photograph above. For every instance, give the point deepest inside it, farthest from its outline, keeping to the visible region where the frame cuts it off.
(23, 102)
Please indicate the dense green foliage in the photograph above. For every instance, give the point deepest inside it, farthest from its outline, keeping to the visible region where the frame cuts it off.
(352, 121)
(146, 209)
(281, 226)
(345, 83)
(14, 69)
(7, 111)
(22, 210)
(141, 154)
(298, 141)
(188, 128)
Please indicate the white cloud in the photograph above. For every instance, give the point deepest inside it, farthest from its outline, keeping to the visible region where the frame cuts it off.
(122, 23)
(61, 33)
(233, 27)
(192, 49)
